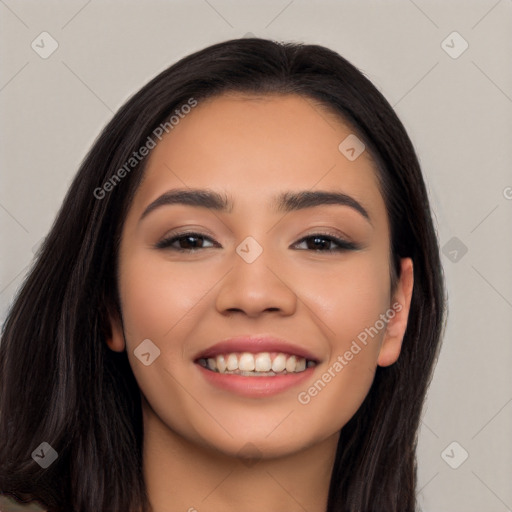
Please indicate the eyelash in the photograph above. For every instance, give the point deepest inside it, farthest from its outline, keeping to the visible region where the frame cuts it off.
(343, 245)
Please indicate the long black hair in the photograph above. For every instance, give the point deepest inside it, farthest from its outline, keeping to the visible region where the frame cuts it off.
(61, 384)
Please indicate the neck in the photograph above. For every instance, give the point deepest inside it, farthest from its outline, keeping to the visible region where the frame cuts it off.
(182, 476)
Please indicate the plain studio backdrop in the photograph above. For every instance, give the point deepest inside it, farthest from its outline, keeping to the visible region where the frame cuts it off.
(445, 67)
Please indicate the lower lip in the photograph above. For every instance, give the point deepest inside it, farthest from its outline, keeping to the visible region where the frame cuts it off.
(255, 386)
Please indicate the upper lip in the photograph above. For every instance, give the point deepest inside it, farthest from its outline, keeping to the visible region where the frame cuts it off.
(255, 345)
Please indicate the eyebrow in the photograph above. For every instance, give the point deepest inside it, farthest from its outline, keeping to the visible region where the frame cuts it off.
(284, 202)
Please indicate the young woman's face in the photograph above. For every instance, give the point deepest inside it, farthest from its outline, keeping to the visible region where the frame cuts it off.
(312, 272)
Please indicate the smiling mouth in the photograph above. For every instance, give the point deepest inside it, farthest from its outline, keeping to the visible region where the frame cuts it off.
(263, 364)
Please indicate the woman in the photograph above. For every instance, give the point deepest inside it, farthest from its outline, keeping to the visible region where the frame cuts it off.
(239, 305)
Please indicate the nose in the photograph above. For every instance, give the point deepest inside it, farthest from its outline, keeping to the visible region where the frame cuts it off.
(256, 287)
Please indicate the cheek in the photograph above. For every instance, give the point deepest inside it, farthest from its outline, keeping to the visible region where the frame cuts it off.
(156, 294)
(349, 300)
(349, 304)
(162, 302)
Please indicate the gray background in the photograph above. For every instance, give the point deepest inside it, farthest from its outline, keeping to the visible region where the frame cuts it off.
(458, 112)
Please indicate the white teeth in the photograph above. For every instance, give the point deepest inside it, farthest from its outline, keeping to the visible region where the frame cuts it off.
(263, 364)
(232, 362)
(221, 364)
(291, 363)
(279, 363)
(246, 363)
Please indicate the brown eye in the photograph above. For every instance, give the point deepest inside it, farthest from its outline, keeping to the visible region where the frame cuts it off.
(185, 242)
(323, 243)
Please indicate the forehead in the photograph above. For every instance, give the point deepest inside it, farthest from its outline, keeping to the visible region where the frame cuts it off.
(256, 146)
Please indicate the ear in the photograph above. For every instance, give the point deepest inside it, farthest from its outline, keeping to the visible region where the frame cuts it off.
(115, 335)
(401, 303)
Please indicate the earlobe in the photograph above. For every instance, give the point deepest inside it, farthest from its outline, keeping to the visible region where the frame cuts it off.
(115, 337)
(401, 303)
